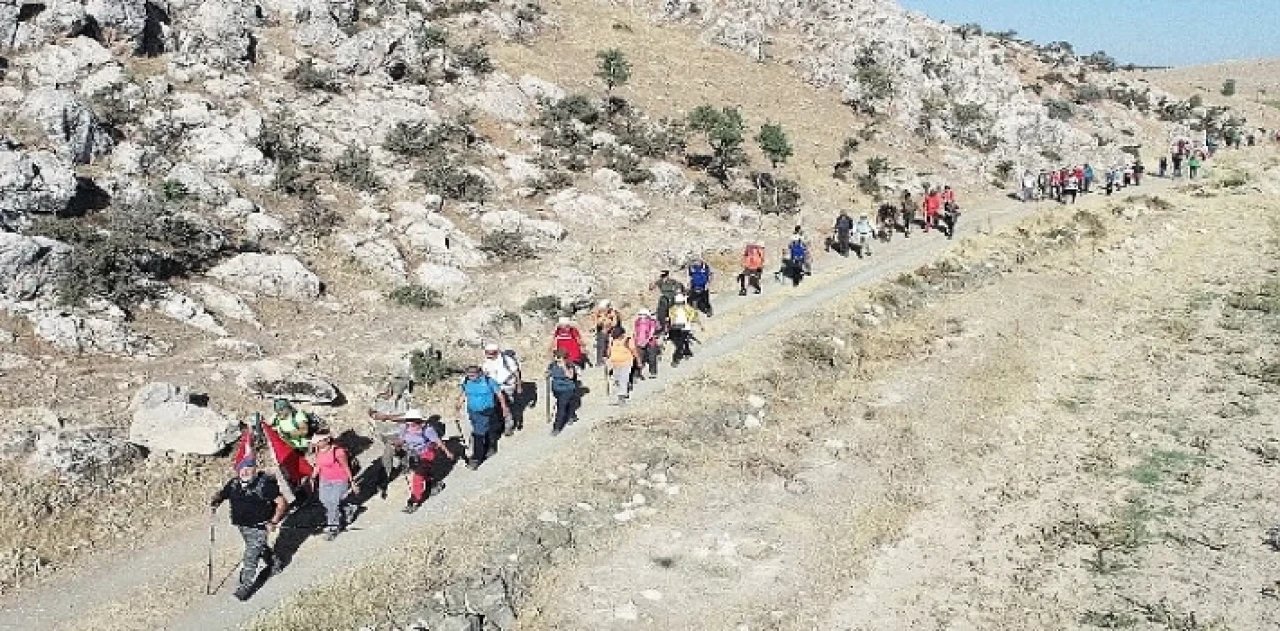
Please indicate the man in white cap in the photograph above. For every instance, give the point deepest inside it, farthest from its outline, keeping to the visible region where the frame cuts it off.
(418, 441)
(683, 319)
(567, 338)
(648, 343)
(503, 368)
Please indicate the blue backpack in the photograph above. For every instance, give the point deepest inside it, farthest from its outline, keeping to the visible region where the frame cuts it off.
(699, 275)
(798, 251)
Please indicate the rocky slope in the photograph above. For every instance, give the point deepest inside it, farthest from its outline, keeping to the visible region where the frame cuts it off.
(217, 190)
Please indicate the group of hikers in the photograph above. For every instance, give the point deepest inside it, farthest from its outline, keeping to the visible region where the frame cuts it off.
(313, 464)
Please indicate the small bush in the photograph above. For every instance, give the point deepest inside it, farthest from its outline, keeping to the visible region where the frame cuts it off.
(450, 181)
(429, 367)
(317, 220)
(415, 296)
(1051, 155)
(432, 38)
(473, 57)
(626, 164)
(308, 77)
(1088, 93)
(1229, 87)
(548, 306)
(613, 68)
(1004, 170)
(1196, 101)
(811, 349)
(1060, 110)
(451, 9)
(774, 143)
(507, 246)
(173, 191)
(355, 169)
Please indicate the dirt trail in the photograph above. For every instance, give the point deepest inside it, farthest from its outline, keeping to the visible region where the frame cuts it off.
(162, 587)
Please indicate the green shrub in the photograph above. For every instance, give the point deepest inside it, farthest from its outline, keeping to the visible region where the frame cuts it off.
(355, 169)
(774, 143)
(432, 38)
(308, 77)
(1196, 101)
(451, 181)
(173, 191)
(419, 139)
(473, 57)
(653, 140)
(1060, 110)
(507, 246)
(317, 220)
(281, 140)
(723, 128)
(415, 296)
(613, 68)
(1229, 87)
(125, 254)
(1004, 170)
(548, 306)
(626, 164)
(429, 367)
(1088, 93)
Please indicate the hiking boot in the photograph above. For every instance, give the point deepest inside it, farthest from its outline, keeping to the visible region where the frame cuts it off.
(509, 432)
(757, 291)
(243, 593)
(331, 535)
(555, 432)
(411, 507)
(473, 465)
(277, 567)
(435, 489)
(742, 292)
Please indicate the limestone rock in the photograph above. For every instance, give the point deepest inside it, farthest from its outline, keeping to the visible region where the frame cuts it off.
(219, 34)
(68, 123)
(214, 191)
(37, 183)
(182, 428)
(436, 236)
(189, 312)
(273, 275)
(538, 232)
(666, 179)
(159, 392)
(82, 454)
(223, 302)
(740, 216)
(125, 18)
(274, 379)
(449, 281)
(93, 334)
(29, 266)
(260, 226)
(614, 208)
(376, 254)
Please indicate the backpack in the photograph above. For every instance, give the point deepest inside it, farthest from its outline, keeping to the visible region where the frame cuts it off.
(560, 381)
(844, 223)
(510, 361)
(798, 250)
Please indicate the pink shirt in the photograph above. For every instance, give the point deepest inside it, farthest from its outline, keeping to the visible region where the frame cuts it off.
(330, 467)
(644, 331)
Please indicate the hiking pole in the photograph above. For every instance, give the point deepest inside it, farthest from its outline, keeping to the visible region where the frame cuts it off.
(546, 394)
(208, 581)
(466, 440)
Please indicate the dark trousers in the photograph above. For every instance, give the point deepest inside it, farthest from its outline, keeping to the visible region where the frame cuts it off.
(664, 309)
(750, 277)
(565, 404)
(255, 549)
(649, 357)
(602, 344)
(700, 299)
(481, 443)
(680, 338)
(949, 223)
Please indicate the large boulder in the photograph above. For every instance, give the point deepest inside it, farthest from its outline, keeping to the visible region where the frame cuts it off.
(29, 266)
(219, 33)
(184, 428)
(539, 232)
(93, 334)
(69, 124)
(82, 454)
(159, 392)
(613, 208)
(33, 183)
(189, 312)
(223, 302)
(574, 289)
(272, 275)
(125, 18)
(321, 22)
(449, 281)
(376, 254)
(276, 380)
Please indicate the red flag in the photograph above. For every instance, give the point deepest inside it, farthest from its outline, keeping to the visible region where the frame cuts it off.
(293, 466)
(244, 449)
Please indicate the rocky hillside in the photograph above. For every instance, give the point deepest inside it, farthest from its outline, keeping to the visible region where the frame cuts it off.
(232, 193)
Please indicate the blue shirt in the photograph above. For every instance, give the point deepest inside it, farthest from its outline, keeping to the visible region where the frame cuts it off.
(699, 276)
(480, 393)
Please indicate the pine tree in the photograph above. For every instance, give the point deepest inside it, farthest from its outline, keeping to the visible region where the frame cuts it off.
(774, 143)
(614, 69)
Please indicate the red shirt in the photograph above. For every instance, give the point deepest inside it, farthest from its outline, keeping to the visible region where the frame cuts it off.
(932, 203)
(570, 341)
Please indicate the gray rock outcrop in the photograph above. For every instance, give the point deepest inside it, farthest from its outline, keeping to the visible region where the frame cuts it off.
(273, 379)
(165, 419)
(70, 125)
(271, 275)
(29, 266)
(37, 182)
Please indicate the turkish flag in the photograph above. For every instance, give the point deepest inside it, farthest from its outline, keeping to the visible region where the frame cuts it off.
(244, 449)
(293, 466)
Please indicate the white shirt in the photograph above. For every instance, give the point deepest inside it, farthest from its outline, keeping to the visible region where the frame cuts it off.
(501, 369)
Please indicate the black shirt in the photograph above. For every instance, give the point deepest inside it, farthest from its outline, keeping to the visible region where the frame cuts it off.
(252, 504)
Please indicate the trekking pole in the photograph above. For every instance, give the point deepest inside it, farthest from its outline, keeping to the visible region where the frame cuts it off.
(208, 581)
(546, 394)
(466, 440)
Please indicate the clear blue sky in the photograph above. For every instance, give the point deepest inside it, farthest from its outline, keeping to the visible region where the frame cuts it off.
(1143, 32)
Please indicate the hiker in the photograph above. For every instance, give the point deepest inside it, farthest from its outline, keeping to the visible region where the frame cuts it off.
(567, 338)
(667, 288)
(886, 222)
(908, 208)
(331, 476)
(798, 233)
(419, 442)
(390, 403)
(293, 425)
(864, 234)
(563, 377)
(606, 319)
(1193, 165)
(648, 343)
(842, 230)
(699, 286)
(932, 206)
(1111, 181)
(1086, 179)
(950, 216)
(793, 262)
(1138, 170)
(752, 268)
(479, 392)
(503, 367)
(1055, 185)
(1177, 165)
(683, 319)
(1164, 166)
(622, 359)
(1070, 186)
(256, 507)
(1028, 186)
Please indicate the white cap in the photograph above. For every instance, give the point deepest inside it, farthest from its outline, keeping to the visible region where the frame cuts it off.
(680, 298)
(490, 348)
(563, 321)
(605, 303)
(413, 414)
(643, 312)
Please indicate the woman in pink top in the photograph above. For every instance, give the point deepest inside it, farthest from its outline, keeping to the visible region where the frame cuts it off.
(645, 333)
(332, 472)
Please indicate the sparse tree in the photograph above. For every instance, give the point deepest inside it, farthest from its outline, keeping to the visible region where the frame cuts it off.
(614, 69)
(1229, 87)
(723, 128)
(774, 143)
